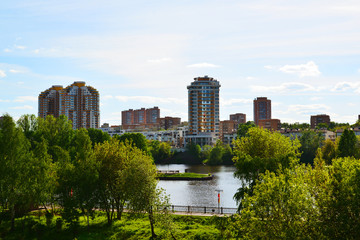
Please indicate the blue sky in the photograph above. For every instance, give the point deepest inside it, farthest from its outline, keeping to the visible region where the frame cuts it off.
(303, 55)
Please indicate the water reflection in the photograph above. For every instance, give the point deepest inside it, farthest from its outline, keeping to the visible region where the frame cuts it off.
(202, 193)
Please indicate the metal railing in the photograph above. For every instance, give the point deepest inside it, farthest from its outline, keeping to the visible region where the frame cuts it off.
(205, 210)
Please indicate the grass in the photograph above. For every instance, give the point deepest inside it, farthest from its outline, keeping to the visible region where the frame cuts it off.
(185, 175)
(34, 227)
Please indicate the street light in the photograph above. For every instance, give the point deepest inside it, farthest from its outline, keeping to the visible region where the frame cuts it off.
(218, 192)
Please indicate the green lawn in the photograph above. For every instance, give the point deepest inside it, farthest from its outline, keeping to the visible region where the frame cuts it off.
(34, 228)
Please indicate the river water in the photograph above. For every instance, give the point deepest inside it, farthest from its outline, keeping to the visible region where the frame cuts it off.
(202, 193)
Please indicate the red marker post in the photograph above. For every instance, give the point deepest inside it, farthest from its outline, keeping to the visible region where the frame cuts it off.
(218, 191)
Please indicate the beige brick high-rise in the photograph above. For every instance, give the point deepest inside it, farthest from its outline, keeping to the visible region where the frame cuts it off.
(78, 102)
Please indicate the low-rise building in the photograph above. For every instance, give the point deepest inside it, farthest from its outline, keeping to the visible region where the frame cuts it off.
(169, 122)
(270, 124)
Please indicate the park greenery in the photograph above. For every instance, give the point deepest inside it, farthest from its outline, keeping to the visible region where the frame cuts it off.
(92, 186)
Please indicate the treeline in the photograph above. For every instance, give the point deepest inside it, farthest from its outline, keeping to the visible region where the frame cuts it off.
(44, 162)
(282, 198)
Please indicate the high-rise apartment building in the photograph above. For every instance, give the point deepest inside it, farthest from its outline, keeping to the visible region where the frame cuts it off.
(140, 118)
(203, 108)
(262, 109)
(78, 102)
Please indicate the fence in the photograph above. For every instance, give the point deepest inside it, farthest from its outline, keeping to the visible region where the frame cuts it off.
(205, 210)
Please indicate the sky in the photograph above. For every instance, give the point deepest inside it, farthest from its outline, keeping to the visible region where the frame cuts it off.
(303, 55)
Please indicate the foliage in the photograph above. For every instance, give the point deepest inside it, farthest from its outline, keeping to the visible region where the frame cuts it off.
(310, 141)
(281, 207)
(339, 208)
(244, 128)
(15, 169)
(97, 136)
(137, 139)
(195, 151)
(259, 151)
(301, 126)
(160, 151)
(328, 151)
(347, 144)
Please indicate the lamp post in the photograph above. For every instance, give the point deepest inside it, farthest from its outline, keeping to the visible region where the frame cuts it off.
(218, 192)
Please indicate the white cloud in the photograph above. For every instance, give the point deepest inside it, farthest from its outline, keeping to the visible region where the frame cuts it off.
(315, 98)
(269, 67)
(25, 107)
(26, 99)
(36, 51)
(7, 50)
(2, 74)
(14, 71)
(290, 87)
(151, 100)
(203, 65)
(160, 60)
(106, 97)
(305, 109)
(1, 100)
(234, 101)
(345, 86)
(20, 47)
(310, 69)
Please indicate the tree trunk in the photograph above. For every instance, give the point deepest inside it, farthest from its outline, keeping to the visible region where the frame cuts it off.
(152, 222)
(12, 218)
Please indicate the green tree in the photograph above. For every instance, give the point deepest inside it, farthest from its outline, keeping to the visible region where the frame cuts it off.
(137, 139)
(322, 126)
(227, 155)
(259, 151)
(141, 182)
(56, 131)
(244, 128)
(205, 153)
(216, 155)
(160, 151)
(282, 207)
(15, 187)
(97, 136)
(347, 144)
(339, 206)
(310, 141)
(85, 173)
(29, 125)
(43, 176)
(195, 151)
(328, 151)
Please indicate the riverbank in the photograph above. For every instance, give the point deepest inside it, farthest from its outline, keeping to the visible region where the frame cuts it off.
(185, 176)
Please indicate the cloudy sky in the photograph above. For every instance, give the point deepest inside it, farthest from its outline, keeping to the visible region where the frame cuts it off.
(303, 55)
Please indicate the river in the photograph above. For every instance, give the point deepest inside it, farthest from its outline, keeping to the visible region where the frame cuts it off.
(202, 193)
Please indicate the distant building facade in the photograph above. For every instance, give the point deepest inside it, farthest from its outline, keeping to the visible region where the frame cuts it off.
(262, 109)
(317, 119)
(203, 111)
(140, 118)
(239, 118)
(169, 122)
(227, 127)
(80, 103)
(270, 124)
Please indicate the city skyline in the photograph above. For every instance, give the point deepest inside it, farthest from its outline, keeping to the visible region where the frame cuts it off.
(303, 56)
